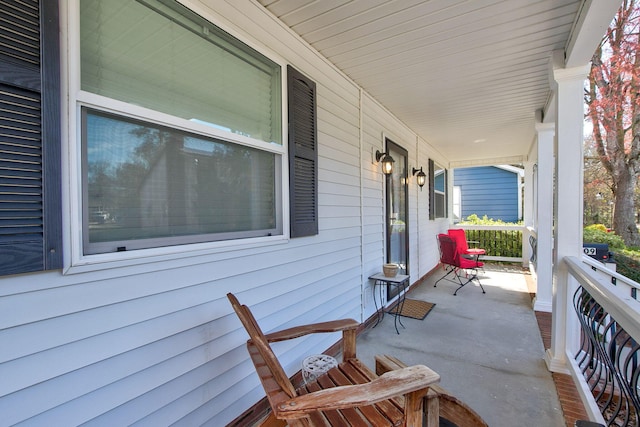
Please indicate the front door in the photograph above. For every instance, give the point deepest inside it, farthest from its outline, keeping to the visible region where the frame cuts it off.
(397, 237)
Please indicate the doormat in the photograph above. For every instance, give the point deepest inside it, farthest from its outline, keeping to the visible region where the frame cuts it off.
(414, 309)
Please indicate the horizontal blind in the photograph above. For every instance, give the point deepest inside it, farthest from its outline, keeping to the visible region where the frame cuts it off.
(156, 56)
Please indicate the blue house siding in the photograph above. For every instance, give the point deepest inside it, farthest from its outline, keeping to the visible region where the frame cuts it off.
(488, 190)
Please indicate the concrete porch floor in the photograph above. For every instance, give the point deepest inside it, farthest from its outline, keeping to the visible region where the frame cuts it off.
(486, 347)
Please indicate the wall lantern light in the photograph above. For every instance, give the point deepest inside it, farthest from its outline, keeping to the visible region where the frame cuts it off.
(422, 177)
(387, 162)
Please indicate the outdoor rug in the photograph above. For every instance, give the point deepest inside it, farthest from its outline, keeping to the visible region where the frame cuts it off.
(414, 308)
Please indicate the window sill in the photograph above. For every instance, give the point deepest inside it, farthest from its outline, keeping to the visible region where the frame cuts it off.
(154, 259)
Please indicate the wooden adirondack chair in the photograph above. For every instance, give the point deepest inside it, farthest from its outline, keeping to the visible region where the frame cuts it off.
(350, 394)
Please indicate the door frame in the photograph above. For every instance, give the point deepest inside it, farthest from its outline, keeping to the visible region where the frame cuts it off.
(391, 145)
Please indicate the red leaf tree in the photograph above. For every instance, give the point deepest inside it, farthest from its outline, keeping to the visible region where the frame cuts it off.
(613, 106)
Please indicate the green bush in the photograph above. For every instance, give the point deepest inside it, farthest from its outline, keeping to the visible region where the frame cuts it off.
(507, 243)
(474, 219)
(593, 234)
(628, 264)
(600, 227)
(627, 259)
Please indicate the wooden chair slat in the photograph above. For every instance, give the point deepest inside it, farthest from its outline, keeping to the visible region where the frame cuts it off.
(333, 418)
(397, 401)
(381, 413)
(360, 374)
(353, 415)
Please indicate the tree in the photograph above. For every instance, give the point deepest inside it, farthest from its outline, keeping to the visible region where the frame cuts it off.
(613, 106)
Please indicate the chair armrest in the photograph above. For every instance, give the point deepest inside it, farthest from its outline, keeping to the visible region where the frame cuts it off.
(391, 384)
(313, 328)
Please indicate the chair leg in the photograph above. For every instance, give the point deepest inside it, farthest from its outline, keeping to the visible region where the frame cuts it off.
(449, 269)
(474, 276)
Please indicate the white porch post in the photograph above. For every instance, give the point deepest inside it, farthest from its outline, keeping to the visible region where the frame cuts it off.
(567, 206)
(544, 214)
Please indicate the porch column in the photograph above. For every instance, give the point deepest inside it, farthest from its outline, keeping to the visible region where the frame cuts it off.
(544, 216)
(567, 207)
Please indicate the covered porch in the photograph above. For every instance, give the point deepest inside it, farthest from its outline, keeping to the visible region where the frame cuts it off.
(145, 335)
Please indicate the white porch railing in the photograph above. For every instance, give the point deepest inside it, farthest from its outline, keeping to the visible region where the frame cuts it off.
(605, 356)
(495, 233)
(622, 285)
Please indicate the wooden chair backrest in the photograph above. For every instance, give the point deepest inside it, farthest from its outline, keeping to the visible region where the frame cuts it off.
(260, 342)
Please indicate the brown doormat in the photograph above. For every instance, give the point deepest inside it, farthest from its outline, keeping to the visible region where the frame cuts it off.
(414, 308)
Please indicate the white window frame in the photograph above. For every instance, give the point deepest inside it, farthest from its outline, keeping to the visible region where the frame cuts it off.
(74, 259)
(442, 194)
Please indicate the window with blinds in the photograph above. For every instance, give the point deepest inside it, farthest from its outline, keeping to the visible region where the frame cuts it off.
(148, 183)
(162, 56)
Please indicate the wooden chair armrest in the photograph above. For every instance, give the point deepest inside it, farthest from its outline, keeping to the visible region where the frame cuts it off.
(313, 328)
(395, 383)
(440, 401)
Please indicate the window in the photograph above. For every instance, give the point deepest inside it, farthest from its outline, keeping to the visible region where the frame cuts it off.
(181, 130)
(159, 55)
(147, 183)
(437, 191)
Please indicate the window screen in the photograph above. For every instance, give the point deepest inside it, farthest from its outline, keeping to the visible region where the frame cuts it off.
(148, 185)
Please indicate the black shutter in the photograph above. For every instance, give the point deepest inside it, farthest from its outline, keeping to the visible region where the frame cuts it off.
(30, 206)
(303, 154)
(432, 190)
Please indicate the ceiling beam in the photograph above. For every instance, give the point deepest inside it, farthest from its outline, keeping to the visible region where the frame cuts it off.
(591, 24)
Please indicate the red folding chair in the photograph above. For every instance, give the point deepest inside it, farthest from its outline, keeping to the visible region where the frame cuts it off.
(464, 270)
(460, 237)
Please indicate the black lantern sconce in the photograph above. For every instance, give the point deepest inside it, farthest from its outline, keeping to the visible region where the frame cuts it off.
(421, 178)
(387, 162)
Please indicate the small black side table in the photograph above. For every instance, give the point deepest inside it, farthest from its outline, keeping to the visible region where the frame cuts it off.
(400, 281)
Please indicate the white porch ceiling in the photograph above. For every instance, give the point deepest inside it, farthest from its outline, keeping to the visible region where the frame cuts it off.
(465, 75)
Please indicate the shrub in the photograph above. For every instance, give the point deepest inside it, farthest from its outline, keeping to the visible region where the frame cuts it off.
(507, 243)
(474, 219)
(628, 264)
(593, 234)
(600, 227)
(627, 259)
